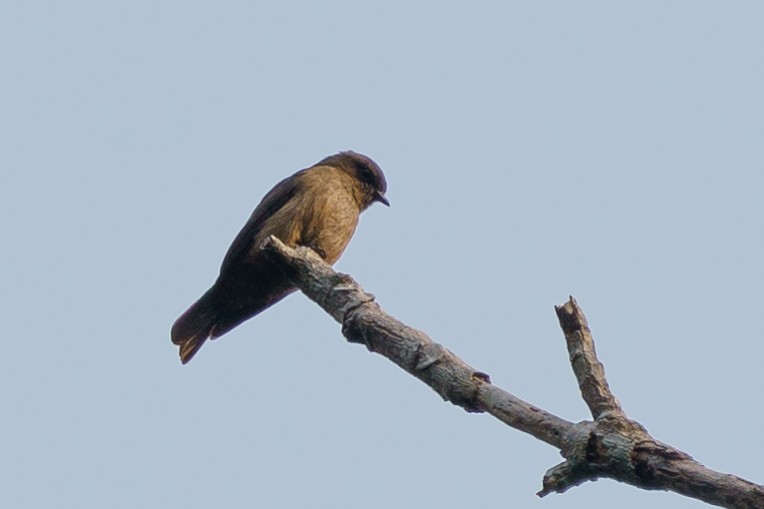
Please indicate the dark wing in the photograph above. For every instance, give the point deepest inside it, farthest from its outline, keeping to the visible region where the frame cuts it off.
(269, 205)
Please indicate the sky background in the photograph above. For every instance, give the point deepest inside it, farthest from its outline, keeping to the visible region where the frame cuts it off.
(533, 150)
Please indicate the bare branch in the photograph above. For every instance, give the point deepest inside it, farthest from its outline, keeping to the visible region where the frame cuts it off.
(611, 446)
(589, 371)
(363, 321)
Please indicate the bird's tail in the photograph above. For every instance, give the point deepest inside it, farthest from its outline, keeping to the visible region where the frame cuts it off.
(193, 327)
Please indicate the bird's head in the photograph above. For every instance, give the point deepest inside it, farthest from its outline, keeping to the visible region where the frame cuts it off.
(365, 171)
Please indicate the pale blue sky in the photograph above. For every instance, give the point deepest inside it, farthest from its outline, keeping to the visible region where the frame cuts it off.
(609, 150)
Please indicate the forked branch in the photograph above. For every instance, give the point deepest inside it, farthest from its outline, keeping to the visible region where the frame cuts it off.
(611, 446)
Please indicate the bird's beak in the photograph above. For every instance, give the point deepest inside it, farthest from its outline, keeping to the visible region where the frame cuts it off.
(381, 198)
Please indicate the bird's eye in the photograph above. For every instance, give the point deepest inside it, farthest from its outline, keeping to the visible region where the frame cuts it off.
(366, 174)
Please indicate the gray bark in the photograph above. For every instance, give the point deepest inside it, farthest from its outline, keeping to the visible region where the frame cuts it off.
(610, 446)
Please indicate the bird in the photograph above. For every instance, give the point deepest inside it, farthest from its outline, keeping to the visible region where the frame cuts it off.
(317, 207)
